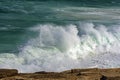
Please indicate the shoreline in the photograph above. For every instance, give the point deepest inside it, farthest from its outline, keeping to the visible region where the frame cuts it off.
(73, 74)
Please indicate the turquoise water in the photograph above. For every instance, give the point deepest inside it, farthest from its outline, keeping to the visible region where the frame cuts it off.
(37, 33)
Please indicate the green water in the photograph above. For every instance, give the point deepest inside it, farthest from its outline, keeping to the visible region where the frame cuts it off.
(16, 16)
(35, 32)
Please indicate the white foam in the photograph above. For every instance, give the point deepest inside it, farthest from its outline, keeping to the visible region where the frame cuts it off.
(60, 48)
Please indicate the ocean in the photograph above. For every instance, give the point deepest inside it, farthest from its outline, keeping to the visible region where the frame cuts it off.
(57, 35)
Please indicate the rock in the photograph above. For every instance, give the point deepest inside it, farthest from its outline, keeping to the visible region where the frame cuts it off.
(85, 70)
(74, 74)
(8, 72)
(43, 72)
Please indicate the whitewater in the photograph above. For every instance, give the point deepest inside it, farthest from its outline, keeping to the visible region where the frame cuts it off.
(60, 48)
(59, 35)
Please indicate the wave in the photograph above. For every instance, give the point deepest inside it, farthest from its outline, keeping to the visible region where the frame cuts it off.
(60, 48)
(97, 3)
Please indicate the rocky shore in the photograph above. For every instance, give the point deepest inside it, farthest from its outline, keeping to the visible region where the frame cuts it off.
(73, 74)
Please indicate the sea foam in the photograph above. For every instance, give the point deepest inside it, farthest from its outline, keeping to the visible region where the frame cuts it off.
(58, 48)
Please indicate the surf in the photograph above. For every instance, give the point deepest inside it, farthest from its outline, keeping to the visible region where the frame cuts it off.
(58, 48)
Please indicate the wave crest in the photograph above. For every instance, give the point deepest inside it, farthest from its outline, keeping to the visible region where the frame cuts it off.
(59, 48)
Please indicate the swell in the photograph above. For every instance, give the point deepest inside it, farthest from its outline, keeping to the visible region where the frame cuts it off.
(96, 3)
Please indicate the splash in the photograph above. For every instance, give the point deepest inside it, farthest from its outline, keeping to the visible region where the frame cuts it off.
(60, 48)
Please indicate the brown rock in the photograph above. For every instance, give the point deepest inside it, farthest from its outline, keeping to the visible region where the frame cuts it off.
(74, 74)
(8, 72)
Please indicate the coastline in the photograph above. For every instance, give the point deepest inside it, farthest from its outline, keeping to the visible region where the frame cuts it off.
(73, 74)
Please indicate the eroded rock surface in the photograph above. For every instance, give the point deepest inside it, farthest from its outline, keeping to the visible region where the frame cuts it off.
(74, 74)
(8, 72)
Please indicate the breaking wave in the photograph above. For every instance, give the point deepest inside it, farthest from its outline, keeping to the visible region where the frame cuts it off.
(58, 48)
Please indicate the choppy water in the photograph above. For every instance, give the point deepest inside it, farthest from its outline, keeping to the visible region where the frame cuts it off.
(53, 35)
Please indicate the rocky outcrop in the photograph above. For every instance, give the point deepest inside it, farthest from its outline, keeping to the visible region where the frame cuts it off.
(8, 72)
(74, 74)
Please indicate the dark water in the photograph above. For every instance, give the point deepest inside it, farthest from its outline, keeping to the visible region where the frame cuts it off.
(34, 32)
